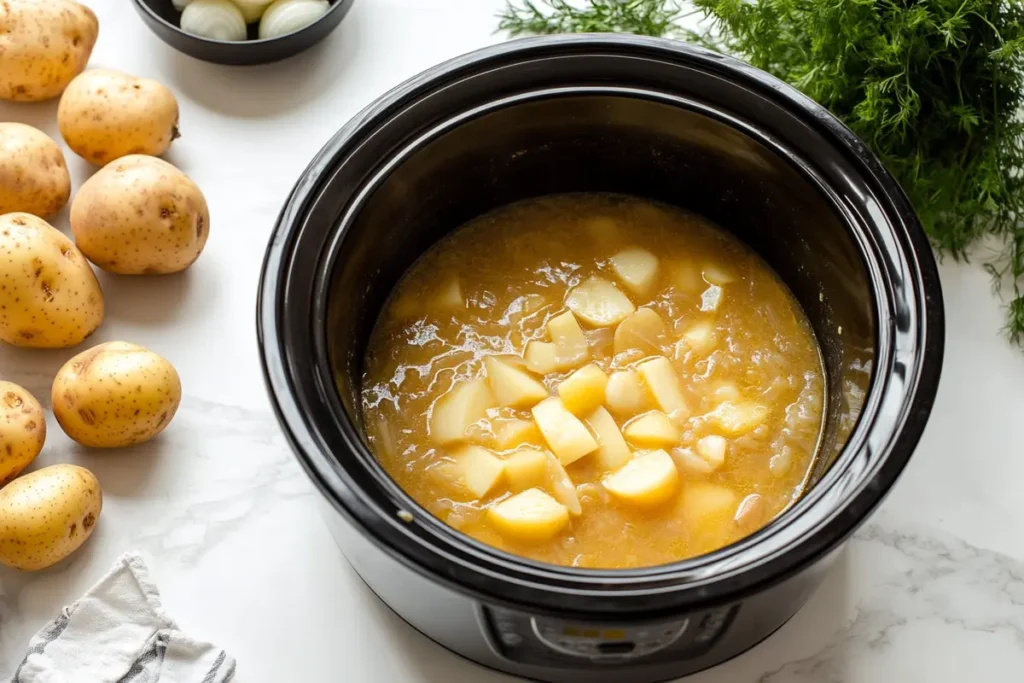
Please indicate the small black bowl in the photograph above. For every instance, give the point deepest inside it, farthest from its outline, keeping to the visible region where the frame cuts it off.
(164, 19)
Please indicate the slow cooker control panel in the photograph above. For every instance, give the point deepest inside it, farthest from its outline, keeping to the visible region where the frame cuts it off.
(553, 642)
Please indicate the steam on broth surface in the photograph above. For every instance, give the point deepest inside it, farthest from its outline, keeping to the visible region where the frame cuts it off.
(595, 381)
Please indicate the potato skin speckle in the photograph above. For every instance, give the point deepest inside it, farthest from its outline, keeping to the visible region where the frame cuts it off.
(43, 45)
(22, 430)
(140, 216)
(115, 394)
(33, 175)
(46, 515)
(105, 115)
(49, 296)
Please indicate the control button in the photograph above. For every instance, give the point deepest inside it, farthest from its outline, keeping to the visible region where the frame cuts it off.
(616, 648)
(511, 639)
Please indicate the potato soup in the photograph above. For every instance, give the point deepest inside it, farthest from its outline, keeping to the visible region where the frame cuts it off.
(595, 381)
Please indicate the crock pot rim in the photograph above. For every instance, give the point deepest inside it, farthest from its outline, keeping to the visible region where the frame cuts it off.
(928, 296)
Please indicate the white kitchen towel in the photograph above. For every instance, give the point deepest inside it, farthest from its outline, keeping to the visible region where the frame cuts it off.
(118, 633)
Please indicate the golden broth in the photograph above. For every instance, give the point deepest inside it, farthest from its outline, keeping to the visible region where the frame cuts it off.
(737, 343)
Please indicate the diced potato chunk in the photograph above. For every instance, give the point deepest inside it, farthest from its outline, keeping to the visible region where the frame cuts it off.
(625, 395)
(637, 269)
(511, 432)
(612, 452)
(717, 275)
(599, 303)
(662, 380)
(652, 430)
(648, 479)
(566, 435)
(583, 391)
(706, 508)
(712, 450)
(526, 468)
(511, 386)
(570, 343)
(541, 357)
(644, 330)
(481, 470)
(531, 516)
(562, 487)
(454, 412)
(449, 297)
(738, 417)
(686, 276)
(701, 337)
(688, 461)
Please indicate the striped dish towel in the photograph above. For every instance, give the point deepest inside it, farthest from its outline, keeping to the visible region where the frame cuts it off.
(118, 633)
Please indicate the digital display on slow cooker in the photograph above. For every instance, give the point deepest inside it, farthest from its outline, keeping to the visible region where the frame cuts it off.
(553, 642)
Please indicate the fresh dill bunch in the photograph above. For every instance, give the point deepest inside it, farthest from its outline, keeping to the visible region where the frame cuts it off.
(643, 17)
(934, 87)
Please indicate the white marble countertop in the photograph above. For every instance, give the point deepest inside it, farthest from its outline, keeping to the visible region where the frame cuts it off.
(931, 589)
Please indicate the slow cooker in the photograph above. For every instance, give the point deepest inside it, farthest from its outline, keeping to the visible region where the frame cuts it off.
(653, 118)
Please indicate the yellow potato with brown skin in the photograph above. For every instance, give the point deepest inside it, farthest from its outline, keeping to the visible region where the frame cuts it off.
(43, 45)
(139, 216)
(49, 296)
(115, 394)
(105, 115)
(33, 175)
(22, 430)
(46, 515)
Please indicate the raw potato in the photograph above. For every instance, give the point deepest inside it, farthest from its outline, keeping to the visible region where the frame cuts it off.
(562, 487)
(689, 461)
(43, 45)
(454, 412)
(570, 343)
(637, 269)
(646, 480)
(644, 330)
(612, 452)
(661, 379)
(22, 430)
(531, 516)
(701, 337)
(740, 417)
(511, 386)
(566, 435)
(140, 216)
(47, 515)
(652, 430)
(542, 357)
(49, 296)
(33, 176)
(526, 468)
(105, 115)
(712, 449)
(115, 394)
(480, 469)
(513, 432)
(583, 391)
(599, 303)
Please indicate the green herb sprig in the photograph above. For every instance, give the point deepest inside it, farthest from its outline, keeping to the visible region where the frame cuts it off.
(935, 87)
(642, 17)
